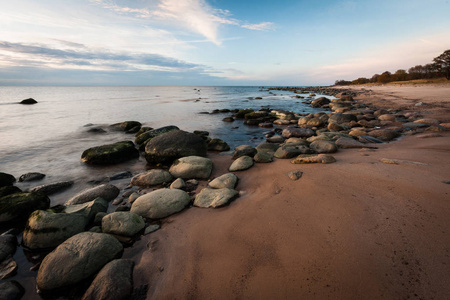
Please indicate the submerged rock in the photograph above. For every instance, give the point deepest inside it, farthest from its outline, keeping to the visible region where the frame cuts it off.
(160, 203)
(127, 125)
(28, 101)
(107, 192)
(33, 176)
(21, 205)
(214, 197)
(52, 188)
(146, 136)
(110, 154)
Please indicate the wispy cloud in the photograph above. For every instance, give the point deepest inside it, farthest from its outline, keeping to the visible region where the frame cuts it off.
(264, 26)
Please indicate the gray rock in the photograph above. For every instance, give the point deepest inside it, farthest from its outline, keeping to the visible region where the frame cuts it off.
(98, 217)
(290, 151)
(107, 192)
(33, 176)
(133, 197)
(88, 209)
(267, 147)
(52, 188)
(347, 143)
(28, 101)
(126, 126)
(78, 258)
(342, 118)
(160, 203)
(228, 180)
(218, 145)
(151, 178)
(46, 229)
(178, 184)
(242, 163)
(21, 205)
(96, 229)
(122, 223)
(297, 132)
(146, 136)
(319, 102)
(11, 290)
(8, 245)
(263, 157)
(244, 150)
(8, 268)
(6, 179)
(276, 139)
(295, 175)
(214, 197)
(323, 146)
(114, 281)
(192, 167)
(110, 154)
(151, 228)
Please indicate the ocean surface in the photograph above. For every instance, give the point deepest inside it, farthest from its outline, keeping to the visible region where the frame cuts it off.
(49, 137)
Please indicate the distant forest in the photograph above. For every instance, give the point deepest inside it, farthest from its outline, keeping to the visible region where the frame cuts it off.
(440, 67)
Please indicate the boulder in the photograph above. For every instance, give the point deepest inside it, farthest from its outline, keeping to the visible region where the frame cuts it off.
(11, 290)
(46, 229)
(191, 167)
(146, 136)
(267, 147)
(127, 125)
(428, 121)
(21, 205)
(114, 281)
(6, 179)
(160, 203)
(228, 180)
(78, 258)
(28, 101)
(89, 209)
(323, 146)
(106, 191)
(319, 158)
(52, 188)
(110, 154)
(384, 134)
(8, 268)
(242, 163)
(276, 139)
(214, 197)
(297, 132)
(218, 145)
(151, 178)
(347, 143)
(9, 190)
(33, 176)
(386, 117)
(122, 223)
(178, 184)
(290, 151)
(244, 150)
(319, 102)
(263, 157)
(167, 147)
(342, 118)
(8, 245)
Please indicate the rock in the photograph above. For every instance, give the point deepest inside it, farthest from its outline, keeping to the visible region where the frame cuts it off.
(178, 184)
(267, 147)
(295, 175)
(96, 130)
(88, 209)
(323, 146)
(427, 121)
(9, 190)
(218, 145)
(110, 154)
(290, 151)
(146, 136)
(284, 115)
(297, 132)
(265, 125)
(78, 258)
(31, 177)
(281, 122)
(420, 104)
(384, 134)
(46, 229)
(228, 180)
(127, 125)
(413, 125)
(342, 118)
(319, 102)
(242, 163)
(160, 203)
(107, 192)
(122, 223)
(428, 135)
(277, 139)
(347, 143)
(21, 205)
(244, 150)
(6, 179)
(314, 122)
(151, 178)
(151, 228)
(192, 167)
(319, 158)
(8, 268)
(114, 281)
(52, 188)
(214, 197)
(121, 175)
(263, 157)
(96, 229)
(436, 128)
(445, 125)
(98, 218)
(133, 197)
(28, 101)
(8, 245)
(334, 127)
(11, 290)
(386, 117)
(228, 119)
(167, 147)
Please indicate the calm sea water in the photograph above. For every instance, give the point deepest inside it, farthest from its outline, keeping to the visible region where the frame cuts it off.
(50, 136)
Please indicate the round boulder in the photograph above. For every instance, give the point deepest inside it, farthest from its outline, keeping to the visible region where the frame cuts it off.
(151, 178)
(160, 203)
(228, 180)
(242, 163)
(122, 223)
(214, 197)
(6, 179)
(297, 132)
(107, 192)
(342, 118)
(110, 154)
(321, 146)
(192, 167)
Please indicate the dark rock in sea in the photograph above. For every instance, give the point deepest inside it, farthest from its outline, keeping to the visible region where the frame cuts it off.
(6, 179)
(114, 281)
(160, 203)
(126, 126)
(21, 205)
(121, 175)
(110, 154)
(201, 132)
(134, 130)
(242, 112)
(342, 118)
(228, 119)
(11, 290)
(8, 245)
(28, 101)
(78, 258)
(218, 145)
(145, 137)
(244, 150)
(107, 192)
(169, 146)
(122, 223)
(142, 130)
(9, 190)
(52, 188)
(96, 130)
(33, 176)
(319, 102)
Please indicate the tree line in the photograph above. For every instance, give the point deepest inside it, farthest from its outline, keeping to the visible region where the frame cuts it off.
(440, 67)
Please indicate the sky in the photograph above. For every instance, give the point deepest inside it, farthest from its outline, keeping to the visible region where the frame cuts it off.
(215, 42)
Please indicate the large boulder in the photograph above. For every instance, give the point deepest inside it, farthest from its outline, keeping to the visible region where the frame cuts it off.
(6, 179)
(114, 281)
(192, 167)
(21, 205)
(46, 229)
(242, 163)
(151, 178)
(122, 223)
(214, 197)
(106, 191)
(160, 203)
(167, 147)
(319, 102)
(267, 147)
(110, 154)
(146, 136)
(78, 258)
(297, 132)
(9, 190)
(227, 180)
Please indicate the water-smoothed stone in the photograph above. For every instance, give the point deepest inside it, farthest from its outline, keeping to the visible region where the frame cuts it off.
(297, 132)
(218, 145)
(52, 188)
(88, 209)
(110, 154)
(107, 192)
(289, 151)
(178, 184)
(276, 139)
(8, 245)
(28, 101)
(428, 121)
(32, 176)
(78, 258)
(228, 180)
(114, 281)
(11, 290)
(319, 158)
(192, 167)
(386, 117)
(127, 125)
(160, 203)
(244, 150)
(146, 136)
(214, 197)
(21, 205)
(46, 229)
(122, 223)
(151, 178)
(263, 157)
(369, 139)
(6, 179)
(241, 163)
(8, 268)
(281, 122)
(384, 134)
(347, 143)
(320, 146)
(414, 125)
(342, 118)
(267, 147)
(167, 147)
(319, 102)
(9, 190)
(436, 128)
(151, 228)
(295, 175)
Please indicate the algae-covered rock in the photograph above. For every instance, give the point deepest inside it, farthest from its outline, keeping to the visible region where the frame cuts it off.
(126, 126)
(218, 145)
(146, 136)
(21, 205)
(9, 190)
(110, 154)
(122, 223)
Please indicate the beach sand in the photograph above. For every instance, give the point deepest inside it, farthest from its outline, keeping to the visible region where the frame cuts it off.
(355, 229)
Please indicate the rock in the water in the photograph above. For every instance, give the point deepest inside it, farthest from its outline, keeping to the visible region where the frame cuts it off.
(21, 205)
(151, 178)
(88, 209)
(9, 190)
(6, 179)
(46, 229)
(297, 132)
(160, 203)
(228, 180)
(320, 158)
(342, 118)
(146, 136)
(8, 268)
(242, 163)
(122, 223)
(319, 102)
(347, 143)
(167, 147)
(263, 157)
(192, 167)
(295, 175)
(110, 154)
(323, 146)
(114, 281)
(244, 150)
(78, 258)
(52, 188)
(11, 290)
(214, 197)
(107, 192)
(8, 244)
(218, 145)
(28, 101)
(33, 176)
(127, 125)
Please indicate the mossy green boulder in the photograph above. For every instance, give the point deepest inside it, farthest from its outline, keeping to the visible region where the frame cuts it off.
(21, 205)
(110, 154)
(126, 126)
(145, 137)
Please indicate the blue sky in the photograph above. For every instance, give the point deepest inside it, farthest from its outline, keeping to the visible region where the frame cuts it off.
(215, 42)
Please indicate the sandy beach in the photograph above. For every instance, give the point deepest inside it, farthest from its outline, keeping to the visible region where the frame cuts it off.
(355, 229)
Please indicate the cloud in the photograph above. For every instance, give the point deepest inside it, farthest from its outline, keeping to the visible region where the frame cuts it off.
(264, 26)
